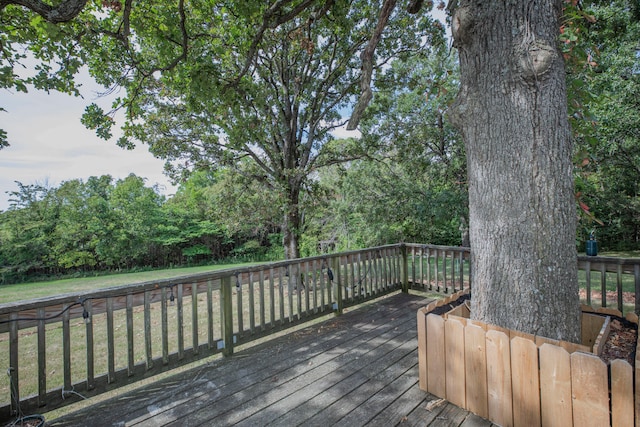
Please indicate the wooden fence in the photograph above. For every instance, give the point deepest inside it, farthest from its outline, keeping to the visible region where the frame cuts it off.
(515, 379)
(60, 349)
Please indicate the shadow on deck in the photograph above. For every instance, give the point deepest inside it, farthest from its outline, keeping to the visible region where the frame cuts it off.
(357, 369)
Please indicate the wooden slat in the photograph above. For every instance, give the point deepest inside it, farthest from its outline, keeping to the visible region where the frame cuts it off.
(421, 319)
(252, 306)
(619, 288)
(210, 332)
(588, 279)
(148, 340)
(436, 263)
(525, 382)
(603, 285)
(455, 362)
(66, 351)
(590, 390)
(555, 386)
(164, 326)
(475, 359)
(14, 363)
(111, 351)
(180, 320)
(621, 394)
(436, 380)
(42, 359)
(263, 319)
(195, 341)
(499, 396)
(130, 343)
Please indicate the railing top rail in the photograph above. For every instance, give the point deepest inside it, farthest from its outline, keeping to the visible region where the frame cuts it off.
(609, 260)
(438, 247)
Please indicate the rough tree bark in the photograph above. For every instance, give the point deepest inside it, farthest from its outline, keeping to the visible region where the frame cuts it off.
(512, 111)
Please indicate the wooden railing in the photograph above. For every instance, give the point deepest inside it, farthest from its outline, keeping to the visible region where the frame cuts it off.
(57, 350)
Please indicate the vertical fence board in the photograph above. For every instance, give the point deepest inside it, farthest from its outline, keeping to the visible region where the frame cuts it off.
(195, 342)
(454, 332)
(436, 377)
(621, 394)
(619, 288)
(66, 351)
(252, 309)
(587, 273)
(147, 330)
(555, 386)
(603, 284)
(89, 343)
(436, 262)
(422, 350)
(210, 334)
(525, 382)
(499, 397)
(110, 342)
(590, 390)
(42, 358)
(444, 271)
(164, 325)
(263, 320)
(130, 354)
(475, 361)
(239, 305)
(429, 268)
(14, 378)
(180, 320)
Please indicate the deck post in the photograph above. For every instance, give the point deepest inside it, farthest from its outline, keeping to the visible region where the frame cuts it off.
(227, 315)
(405, 268)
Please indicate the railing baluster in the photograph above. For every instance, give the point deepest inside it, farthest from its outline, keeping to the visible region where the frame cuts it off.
(14, 382)
(636, 282)
(226, 314)
(603, 284)
(180, 320)
(588, 279)
(444, 271)
(429, 269)
(314, 278)
(164, 322)
(42, 357)
(262, 300)
(148, 341)
(130, 354)
(461, 269)
(619, 288)
(66, 352)
(195, 344)
(239, 308)
(307, 285)
(210, 332)
(111, 347)
(272, 302)
(252, 309)
(281, 294)
(298, 288)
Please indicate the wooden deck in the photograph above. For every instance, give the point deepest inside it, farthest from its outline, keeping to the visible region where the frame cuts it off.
(357, 369)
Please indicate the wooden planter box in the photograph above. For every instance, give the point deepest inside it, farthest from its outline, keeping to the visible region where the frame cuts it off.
(517, 379)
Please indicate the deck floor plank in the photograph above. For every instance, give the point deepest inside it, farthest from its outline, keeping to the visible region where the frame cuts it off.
(354, 370)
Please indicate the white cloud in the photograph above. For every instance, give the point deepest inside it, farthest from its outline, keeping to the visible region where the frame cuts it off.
(49, 144)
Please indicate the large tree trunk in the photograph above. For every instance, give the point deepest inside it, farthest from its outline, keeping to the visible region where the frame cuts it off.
(512, 111)
(291, 223)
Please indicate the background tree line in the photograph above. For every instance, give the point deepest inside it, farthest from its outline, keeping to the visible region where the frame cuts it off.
(404, 179)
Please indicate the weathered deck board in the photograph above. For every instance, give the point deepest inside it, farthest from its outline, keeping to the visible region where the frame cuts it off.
(357, 369)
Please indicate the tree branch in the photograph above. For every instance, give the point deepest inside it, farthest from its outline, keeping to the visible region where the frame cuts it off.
(64, 12)
(367, 64)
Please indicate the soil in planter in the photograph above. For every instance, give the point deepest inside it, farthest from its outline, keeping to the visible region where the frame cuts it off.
(621, 343)
(453, 304)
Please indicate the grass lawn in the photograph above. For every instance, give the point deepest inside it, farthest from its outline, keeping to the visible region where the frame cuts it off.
(27, 291)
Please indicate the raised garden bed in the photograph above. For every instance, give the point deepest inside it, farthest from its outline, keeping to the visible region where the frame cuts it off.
(519, 379)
